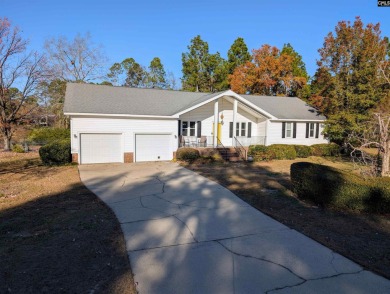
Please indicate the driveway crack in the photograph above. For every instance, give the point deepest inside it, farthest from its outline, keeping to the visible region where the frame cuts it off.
(316, 279)
(261, 259)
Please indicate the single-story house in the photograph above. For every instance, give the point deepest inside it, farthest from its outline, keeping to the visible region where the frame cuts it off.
(121, 124)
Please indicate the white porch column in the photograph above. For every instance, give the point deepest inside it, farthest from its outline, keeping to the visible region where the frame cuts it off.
(215, 131)
(235, 103)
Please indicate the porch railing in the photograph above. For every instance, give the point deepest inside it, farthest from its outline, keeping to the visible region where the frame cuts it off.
(240, 149)
(255, 140)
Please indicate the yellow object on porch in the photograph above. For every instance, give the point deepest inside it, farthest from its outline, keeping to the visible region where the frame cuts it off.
(219, 132)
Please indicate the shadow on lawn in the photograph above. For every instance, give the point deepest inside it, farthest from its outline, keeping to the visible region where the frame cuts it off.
(65, 243)
(364, 238)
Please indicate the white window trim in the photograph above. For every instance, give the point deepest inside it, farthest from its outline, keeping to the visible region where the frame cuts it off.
(239, 129)
(188, 128)
(310, 130)
(289, 127)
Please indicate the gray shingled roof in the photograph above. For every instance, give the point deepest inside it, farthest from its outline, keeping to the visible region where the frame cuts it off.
(285, 107)
(101, 99)
(87, 98)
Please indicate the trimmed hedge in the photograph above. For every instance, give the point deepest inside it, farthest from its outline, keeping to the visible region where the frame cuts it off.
(329, 187)
(331, 149)
(56, 153)
(283, 151)
(260, 153)
(187, 154)
(48, 135)
(303, 151)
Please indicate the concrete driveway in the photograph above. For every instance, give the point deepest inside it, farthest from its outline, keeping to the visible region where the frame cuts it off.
(187, 234)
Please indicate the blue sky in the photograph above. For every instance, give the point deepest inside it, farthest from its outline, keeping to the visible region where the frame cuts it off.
(146, 29)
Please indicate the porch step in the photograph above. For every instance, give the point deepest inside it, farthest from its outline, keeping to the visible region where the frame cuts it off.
(229, 154)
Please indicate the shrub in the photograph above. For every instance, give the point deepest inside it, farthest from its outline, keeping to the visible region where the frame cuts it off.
(187, 154)
(329, 187)
(56, 153)
(283, 151)
(260, 153)
(303, 151)
(17, 148)
(48, 135)
(331, 149)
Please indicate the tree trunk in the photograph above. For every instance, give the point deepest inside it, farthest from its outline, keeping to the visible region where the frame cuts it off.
(386, 160)
(7, 143)
(7, 135)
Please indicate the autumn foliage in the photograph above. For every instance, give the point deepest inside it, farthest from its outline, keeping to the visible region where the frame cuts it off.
(271, 72)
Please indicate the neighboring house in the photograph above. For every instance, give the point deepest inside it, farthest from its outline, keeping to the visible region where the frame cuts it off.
(120, 124)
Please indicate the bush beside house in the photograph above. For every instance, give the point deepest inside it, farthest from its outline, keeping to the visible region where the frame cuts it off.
(56, 153)
(187, 154)
(284, 151)
(329, 187)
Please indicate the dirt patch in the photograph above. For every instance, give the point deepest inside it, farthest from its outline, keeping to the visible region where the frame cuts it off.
(266, 186)
(55, 235)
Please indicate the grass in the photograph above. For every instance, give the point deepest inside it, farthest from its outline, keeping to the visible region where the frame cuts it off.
(364, 238)
(55, 235)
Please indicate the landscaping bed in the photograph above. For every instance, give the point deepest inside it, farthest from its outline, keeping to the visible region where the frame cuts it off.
(55, 235)
(364, 238)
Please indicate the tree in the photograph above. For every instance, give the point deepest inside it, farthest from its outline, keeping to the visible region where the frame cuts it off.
(216, 73)
(17, 69)
(78, 60)
(157, 75)
(298, 70)
(238, 54)
(269, 73)
(351, 85)
(52, 92)
(194, 66)
(136, 75)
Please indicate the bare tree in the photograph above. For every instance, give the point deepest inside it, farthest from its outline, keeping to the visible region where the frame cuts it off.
(78, 60)
(20, 74)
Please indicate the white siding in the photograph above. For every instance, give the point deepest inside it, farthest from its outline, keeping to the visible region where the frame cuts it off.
(205, 114)
(274, 135)
(126, 126)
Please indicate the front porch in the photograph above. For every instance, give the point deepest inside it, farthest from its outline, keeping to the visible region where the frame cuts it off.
(224, 122)
(208, 141)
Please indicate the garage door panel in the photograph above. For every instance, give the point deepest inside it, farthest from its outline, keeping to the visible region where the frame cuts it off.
(153, 147)
(101, 148)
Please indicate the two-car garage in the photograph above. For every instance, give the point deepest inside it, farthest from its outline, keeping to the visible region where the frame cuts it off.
(109, 147)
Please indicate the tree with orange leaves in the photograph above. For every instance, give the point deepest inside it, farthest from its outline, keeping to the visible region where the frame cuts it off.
(271, 72)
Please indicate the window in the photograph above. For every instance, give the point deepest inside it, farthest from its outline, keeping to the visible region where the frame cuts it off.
(311, 130)
(288, 130)
(243, 129)
(188, 128)
(192, 128)
(184, 128)
(237, 129)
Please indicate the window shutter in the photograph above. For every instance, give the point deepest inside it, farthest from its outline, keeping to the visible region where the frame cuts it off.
(199, 124)
(249, 130)
(283, 129)
(231, 130)
(179, 131)
(294, 130)
(307, 130)
(317, 130)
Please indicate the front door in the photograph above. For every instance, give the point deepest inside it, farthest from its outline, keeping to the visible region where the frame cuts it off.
(219, 132)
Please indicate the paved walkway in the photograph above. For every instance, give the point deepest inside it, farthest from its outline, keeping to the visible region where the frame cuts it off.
(187, 234)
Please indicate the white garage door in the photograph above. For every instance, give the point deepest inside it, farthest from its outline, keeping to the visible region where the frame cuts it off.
(153, 147)
(101, 148)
